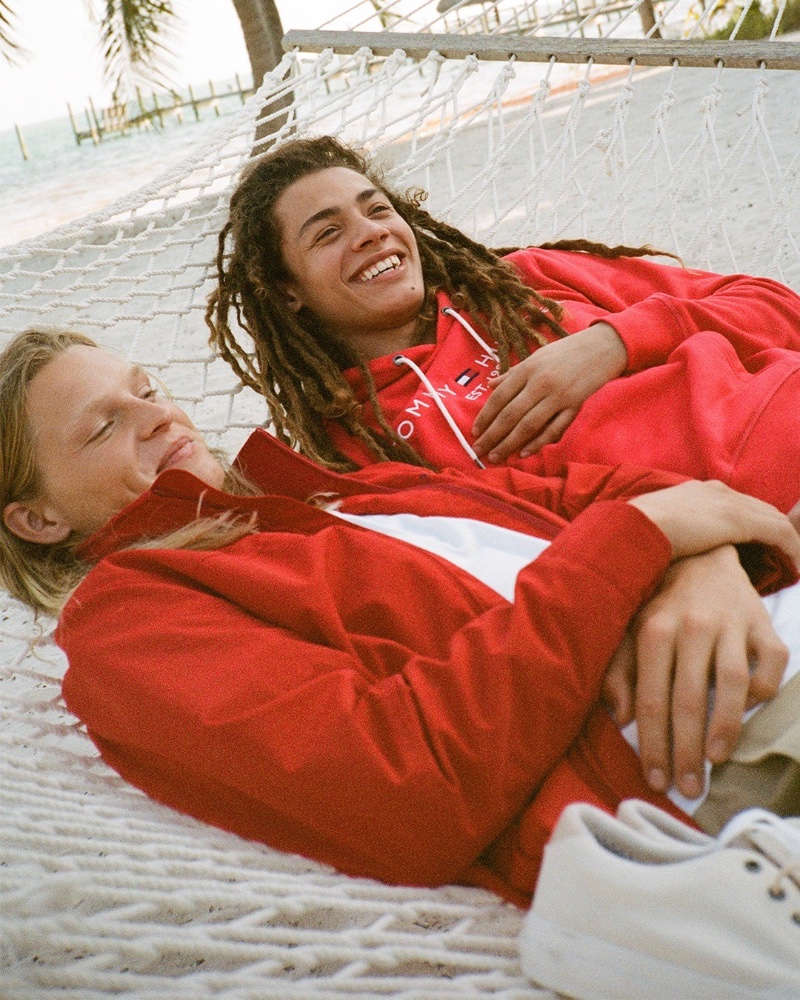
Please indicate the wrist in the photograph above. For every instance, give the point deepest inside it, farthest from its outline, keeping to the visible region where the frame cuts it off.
(611, 352)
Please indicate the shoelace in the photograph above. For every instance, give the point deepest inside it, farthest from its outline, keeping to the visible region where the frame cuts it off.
(770, 836)
(753, 821)
(790, 871)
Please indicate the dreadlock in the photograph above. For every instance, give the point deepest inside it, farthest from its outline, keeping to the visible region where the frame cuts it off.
(295, 363)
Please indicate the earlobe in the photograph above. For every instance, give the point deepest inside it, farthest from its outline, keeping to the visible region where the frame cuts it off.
(293, 300)
(34, 523)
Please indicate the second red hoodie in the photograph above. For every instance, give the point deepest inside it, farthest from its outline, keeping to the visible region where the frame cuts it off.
(709, 390)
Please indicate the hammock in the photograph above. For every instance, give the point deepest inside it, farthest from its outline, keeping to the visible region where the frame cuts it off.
(609, 119)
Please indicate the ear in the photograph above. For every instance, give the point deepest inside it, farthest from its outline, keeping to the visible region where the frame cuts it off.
(34, 522)
(293, 300)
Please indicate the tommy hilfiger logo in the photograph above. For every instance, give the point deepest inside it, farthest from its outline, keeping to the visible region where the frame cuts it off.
(467, 376)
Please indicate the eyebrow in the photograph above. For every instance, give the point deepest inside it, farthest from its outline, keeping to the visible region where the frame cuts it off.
(329, 213)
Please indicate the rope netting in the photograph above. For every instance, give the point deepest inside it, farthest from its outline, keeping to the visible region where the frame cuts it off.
(105, 893)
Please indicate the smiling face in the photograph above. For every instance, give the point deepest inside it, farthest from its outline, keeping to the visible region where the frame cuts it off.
(353, 260)
(102, 435)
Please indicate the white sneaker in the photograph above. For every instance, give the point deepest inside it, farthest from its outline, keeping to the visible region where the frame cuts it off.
(779, 837)
(659, 825)
(621, 915)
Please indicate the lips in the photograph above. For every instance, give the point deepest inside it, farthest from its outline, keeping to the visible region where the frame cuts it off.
(176, 453)
(377, 266)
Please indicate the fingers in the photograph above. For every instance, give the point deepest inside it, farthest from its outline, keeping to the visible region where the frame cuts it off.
(738, 687)
(504, 388)
(672, 699)
(552, 433)
(705, 629)
(769, 526)
(619, 687)
(534, 402)
(524, 439)
(676, 733)
(514, 427)
(685, 643)
(770, 658)
(701, 657)
(655, 645)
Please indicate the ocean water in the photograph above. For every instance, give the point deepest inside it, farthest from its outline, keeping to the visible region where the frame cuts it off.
(62, 180)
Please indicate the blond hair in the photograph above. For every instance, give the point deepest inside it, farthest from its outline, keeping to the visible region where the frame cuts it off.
(35, 574)
(43, 576)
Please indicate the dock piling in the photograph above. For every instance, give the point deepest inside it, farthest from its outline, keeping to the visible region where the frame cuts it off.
(23, 147)
(118, 118)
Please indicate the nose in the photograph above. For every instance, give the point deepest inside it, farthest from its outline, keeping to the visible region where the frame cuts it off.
(369, 231)
(151, 416)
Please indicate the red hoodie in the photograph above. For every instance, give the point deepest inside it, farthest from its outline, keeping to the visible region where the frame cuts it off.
(709, 390)
(350, 697)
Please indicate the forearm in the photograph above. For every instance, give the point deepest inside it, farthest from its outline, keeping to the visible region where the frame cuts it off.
(655, 306)
(753, 314)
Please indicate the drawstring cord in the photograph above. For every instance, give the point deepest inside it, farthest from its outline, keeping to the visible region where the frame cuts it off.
(401, 359)
(449, 311)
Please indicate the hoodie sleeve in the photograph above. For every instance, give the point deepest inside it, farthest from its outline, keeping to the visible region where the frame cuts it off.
(654, 307)
(568, 489)
(347, 697)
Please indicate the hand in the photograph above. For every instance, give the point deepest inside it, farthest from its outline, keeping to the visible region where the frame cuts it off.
(794, 516)
(705, 626)
(533, 403)
(697, 517)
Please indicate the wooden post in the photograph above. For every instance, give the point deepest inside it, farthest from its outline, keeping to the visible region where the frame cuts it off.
(98, 128)
(74, 125)
(648, 18)
(214, 101)
(22, 146)
(177, 106)
(157, 110)
(92, 128)
(140, 99)
(240, 89)
(193, 101)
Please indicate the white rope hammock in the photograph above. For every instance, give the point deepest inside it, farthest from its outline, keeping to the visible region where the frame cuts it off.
(104, 893)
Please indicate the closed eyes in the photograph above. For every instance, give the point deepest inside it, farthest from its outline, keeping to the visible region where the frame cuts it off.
(148, 393)
(101, 432)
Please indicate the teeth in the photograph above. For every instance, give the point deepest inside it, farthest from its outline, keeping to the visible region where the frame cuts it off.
(383, 265)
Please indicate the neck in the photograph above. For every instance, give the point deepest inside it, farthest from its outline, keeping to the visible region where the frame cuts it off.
(378, 345)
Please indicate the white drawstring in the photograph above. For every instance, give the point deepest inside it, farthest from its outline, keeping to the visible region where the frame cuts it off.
(449, 311)
(401, 359)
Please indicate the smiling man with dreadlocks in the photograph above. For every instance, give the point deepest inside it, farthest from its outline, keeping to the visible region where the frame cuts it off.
(380, 333)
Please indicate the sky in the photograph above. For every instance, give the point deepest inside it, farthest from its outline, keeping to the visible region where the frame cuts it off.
(64, 63)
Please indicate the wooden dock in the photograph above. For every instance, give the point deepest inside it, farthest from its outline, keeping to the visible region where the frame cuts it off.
(153, 112)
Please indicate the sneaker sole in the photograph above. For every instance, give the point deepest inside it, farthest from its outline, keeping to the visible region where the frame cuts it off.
(586, 968)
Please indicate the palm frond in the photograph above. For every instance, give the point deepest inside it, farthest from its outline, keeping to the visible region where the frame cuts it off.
(134, 35)
(10, 49)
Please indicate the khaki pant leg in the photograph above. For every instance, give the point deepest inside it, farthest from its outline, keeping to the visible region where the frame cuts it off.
(772, 783)
(764, 769)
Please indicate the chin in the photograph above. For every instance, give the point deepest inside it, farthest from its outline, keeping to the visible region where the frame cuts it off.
(211, 473)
